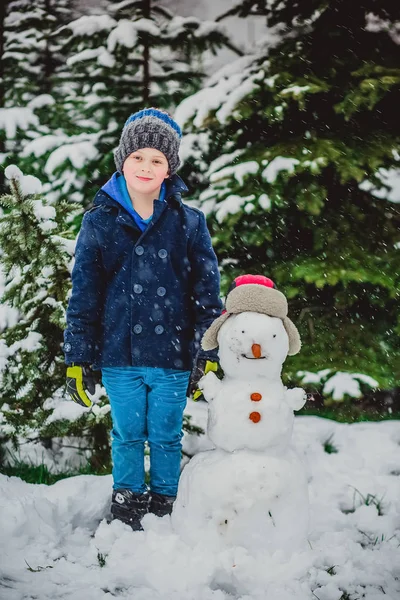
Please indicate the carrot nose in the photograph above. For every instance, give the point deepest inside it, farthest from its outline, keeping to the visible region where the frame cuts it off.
(256, 350)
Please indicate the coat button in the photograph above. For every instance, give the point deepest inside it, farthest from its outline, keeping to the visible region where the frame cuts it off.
(161, 291)
(138, 328)
(162, 253)
(159, 329)
(67, 347)
(137, 288)
(139, 250)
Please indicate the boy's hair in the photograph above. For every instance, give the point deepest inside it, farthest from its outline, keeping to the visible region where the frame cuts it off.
(150, 128)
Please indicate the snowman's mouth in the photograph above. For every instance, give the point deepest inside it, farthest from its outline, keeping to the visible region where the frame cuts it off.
(253, 357)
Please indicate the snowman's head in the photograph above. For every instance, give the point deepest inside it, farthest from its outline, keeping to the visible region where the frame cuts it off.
(250, 294)
(252, 345)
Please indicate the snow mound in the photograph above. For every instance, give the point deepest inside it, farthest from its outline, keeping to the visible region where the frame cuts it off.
(56, 542)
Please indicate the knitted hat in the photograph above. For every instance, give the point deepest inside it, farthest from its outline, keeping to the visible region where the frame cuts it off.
(254, 293)
(150, 128)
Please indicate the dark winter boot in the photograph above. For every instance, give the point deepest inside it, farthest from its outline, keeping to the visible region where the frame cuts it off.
(129, 507)
(161, 505)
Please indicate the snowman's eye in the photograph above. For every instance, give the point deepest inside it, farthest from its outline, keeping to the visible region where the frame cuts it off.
(274, 335)
(243, 331)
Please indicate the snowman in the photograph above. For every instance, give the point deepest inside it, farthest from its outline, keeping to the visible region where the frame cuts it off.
(251, 489)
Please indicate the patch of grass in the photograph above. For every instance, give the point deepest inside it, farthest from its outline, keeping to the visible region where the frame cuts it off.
(349, 412)
(40, 473)
(331, 570)
(329, 447)
(374, 540)
(368, 500)
(102, 558)
(38, 569)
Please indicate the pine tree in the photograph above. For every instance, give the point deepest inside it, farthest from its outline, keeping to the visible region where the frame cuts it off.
(300, 146)
(37, 246)
(137, 54)
(30, 59)
(31, 84)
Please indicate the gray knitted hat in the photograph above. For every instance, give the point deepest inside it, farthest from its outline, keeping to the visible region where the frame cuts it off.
(150, 128)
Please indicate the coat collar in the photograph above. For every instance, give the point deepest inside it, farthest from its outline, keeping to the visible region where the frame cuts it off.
(175, 186)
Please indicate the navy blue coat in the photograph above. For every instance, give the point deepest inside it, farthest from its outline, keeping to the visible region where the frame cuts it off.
(142, 298)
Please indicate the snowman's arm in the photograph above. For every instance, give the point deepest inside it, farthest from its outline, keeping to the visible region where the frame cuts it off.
(210, 385)
(296, 398)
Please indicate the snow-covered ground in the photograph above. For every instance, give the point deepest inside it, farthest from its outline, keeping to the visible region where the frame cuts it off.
(55, 542)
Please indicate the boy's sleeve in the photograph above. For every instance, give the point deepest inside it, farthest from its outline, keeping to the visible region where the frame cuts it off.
(85, 307)
(206, 287)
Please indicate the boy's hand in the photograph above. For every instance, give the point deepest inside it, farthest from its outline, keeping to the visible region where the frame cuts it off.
(80, 380)
(200, 369)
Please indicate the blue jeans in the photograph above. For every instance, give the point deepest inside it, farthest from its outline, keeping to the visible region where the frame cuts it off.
(146, 404)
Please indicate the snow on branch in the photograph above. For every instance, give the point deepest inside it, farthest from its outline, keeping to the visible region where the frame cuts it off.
(27, 184)
(223, 92)
(90, 25)
(12, 119)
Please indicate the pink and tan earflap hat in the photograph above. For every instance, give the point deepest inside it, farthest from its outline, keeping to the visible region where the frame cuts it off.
(254, 293)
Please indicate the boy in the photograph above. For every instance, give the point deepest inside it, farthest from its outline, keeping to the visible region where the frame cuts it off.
(145, 287)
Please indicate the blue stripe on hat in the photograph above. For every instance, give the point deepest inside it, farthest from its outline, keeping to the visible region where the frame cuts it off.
(153, 112)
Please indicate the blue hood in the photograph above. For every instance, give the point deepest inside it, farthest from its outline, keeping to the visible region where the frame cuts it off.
(116, 189)
(173, 186)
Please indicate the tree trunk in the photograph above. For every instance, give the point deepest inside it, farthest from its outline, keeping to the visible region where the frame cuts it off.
(146, 55)
(49, 64)
(2, 30)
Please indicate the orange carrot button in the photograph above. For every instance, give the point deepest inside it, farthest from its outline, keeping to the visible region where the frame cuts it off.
(255, 417)
(256, 397)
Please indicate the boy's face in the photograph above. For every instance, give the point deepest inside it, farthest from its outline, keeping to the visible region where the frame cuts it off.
(145, 170)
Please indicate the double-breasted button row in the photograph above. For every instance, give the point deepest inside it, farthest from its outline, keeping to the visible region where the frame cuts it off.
(162, 253)
(138, 289)
(159, 329)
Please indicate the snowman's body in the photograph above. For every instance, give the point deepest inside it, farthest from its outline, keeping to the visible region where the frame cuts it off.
(256, 500)
(238, 406)
(251, 490)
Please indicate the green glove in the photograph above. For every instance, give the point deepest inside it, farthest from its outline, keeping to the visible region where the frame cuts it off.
(80, 380)
(201, 368)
